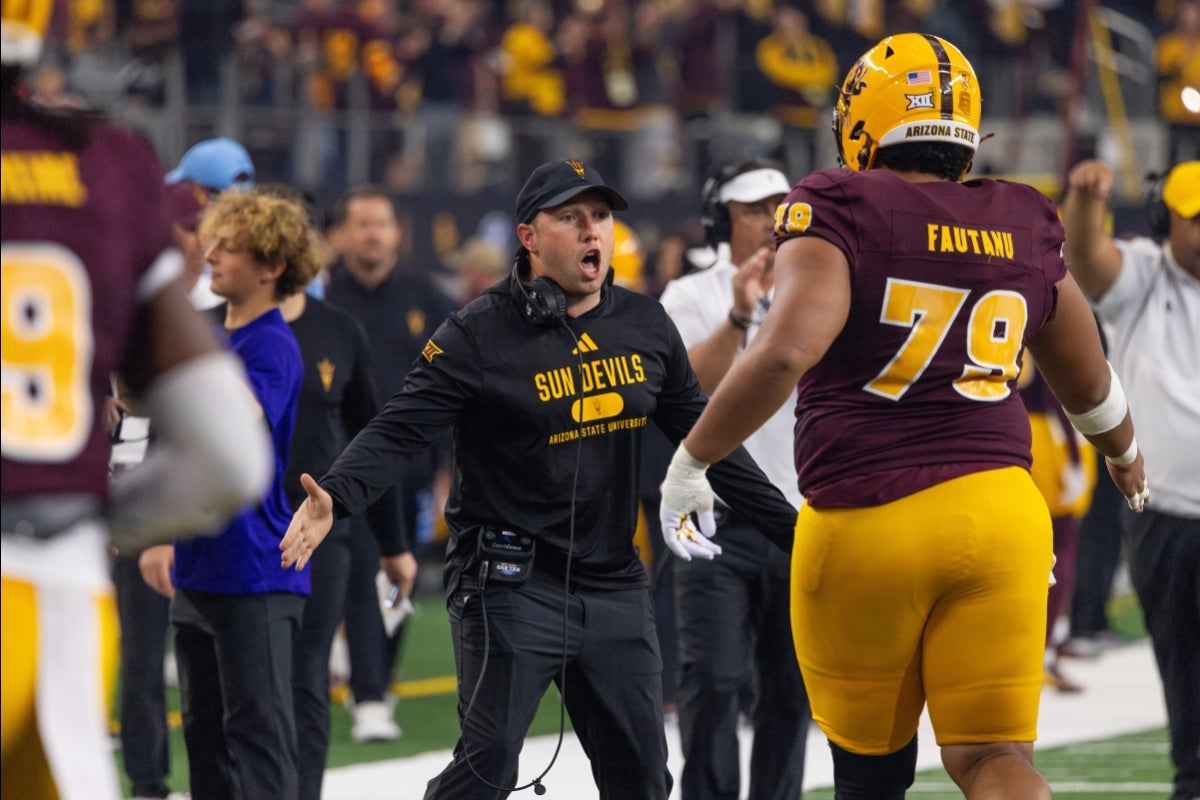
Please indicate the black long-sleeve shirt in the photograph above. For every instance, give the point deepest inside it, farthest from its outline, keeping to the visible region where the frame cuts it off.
(547, 428)
(337, 400)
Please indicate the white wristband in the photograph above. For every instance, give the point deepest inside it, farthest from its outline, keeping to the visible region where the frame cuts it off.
(1106, 416)
(1125, 458)
(686, 460)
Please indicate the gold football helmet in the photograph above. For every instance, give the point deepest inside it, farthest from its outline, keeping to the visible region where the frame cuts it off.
(911, 87)
(627, 257)
(22, 29)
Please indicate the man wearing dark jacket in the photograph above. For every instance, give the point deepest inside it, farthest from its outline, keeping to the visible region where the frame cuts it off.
(548, 382)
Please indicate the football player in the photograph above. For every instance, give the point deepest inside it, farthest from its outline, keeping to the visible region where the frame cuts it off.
(903, 298)
(86, 293)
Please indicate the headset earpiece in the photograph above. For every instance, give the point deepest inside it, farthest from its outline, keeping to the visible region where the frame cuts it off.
(541, 300)
(1156, 210)
(714, 216)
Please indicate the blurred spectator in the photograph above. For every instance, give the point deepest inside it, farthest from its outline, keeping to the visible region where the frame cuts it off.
(185, 201)
(235, 612)
(399, 307)
(1178, 57)
(1064, 472)
(531, 82)
(350, 61)
(679, 252)
(338, 397)
(453, 35)
(1147, 294)
(207, 46)
(143, 612)
(748, 92)
(1089, 632)
(700, 83)
(477, 265)
(152, 35)
(532, 90)
(803, 72)
(216, 165)
(602, 92)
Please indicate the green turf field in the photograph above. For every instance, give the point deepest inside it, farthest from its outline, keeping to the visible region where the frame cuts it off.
(1132, 767)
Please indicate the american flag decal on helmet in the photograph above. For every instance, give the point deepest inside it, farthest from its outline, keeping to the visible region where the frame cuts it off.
(920, 77)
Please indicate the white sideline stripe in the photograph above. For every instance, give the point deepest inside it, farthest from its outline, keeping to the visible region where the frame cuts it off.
(1121, 748)
(1122, 695)
(1064, 787)
(1112, 788)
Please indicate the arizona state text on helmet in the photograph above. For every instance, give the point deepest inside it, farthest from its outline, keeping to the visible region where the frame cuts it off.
(911, 87)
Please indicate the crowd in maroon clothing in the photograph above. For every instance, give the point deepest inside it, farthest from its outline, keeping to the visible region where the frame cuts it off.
(448, 50)
(608, 66)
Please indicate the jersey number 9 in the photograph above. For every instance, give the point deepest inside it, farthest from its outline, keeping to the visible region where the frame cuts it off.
(46, 299)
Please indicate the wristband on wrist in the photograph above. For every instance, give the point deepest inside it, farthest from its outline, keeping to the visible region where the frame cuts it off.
(1125, 458)
(1107, 415)
(738, 321)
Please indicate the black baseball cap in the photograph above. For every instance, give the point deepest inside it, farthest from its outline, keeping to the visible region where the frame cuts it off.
(556, 182)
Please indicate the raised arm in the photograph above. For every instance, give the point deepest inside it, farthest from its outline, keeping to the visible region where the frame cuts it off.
(812, 300)
(1089, 251)
(712, 358)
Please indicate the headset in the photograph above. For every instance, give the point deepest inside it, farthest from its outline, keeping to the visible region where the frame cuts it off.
(714, 214)
(1156, 209)
(541, 300)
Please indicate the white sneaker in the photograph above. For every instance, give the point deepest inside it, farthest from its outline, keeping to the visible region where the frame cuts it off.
(373, 722)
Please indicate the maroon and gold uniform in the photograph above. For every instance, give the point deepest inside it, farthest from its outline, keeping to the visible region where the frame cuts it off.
(82, 227)
(913, 450)
(931, 334)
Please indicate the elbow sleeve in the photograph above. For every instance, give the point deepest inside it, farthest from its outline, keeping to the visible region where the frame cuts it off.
(213, 456)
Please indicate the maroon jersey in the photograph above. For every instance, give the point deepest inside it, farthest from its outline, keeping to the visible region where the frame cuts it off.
(80, 226)
(949, 280)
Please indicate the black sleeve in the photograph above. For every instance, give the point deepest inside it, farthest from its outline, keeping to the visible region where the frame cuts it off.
(736, 479)
(385, 516)
(444, 377)
(362, 401)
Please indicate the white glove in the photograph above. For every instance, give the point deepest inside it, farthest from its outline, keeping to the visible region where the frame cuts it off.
(686, 490)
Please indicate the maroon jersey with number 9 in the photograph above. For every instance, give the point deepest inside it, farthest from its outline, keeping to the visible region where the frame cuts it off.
(949, 280)
(81, 224)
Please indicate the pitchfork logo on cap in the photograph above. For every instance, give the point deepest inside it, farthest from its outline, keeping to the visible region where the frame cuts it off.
(578, 167)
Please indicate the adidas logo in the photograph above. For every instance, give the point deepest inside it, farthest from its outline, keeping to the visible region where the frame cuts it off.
(586, 345)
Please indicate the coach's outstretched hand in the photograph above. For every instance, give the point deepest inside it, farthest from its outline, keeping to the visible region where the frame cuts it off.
(309, 525)
(685, 490)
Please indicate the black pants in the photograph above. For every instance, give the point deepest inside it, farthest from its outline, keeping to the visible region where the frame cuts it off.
(1099, 555)
(372, 651)
(1164, 563)
(310, 663)
(734, 629)
(613, 688)
(235, 683)
(144, 618)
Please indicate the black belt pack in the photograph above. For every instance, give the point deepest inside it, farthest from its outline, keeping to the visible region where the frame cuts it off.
(505, 556)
